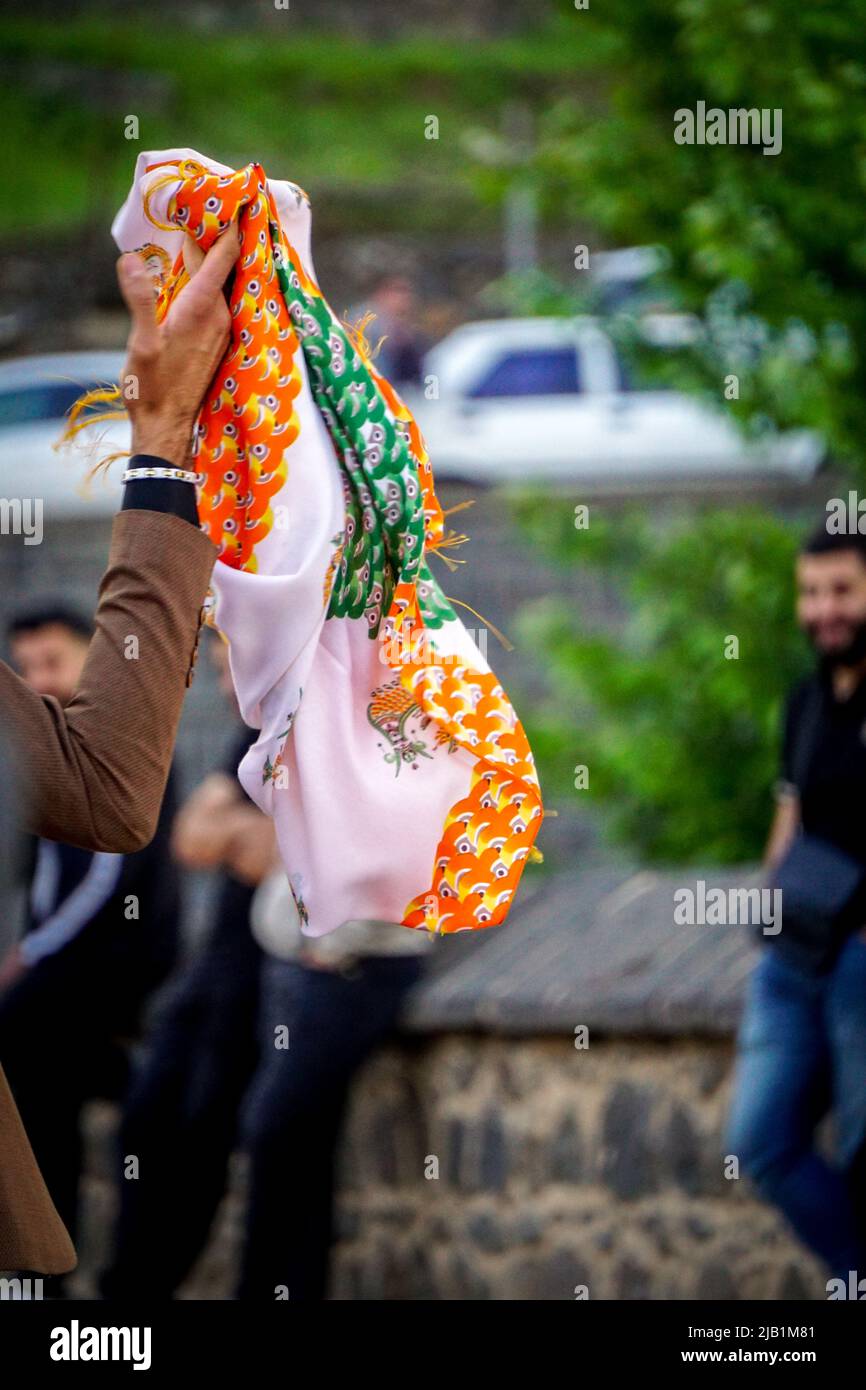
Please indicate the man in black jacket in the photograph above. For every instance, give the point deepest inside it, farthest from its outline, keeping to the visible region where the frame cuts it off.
(802, 1039)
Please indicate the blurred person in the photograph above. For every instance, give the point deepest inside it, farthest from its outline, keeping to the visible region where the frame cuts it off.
(326, 1004)
(48, 645)
(394, 303)
(801, 1047)
(339, 996)
(101, 935)
(97, 768)
(180, 1115)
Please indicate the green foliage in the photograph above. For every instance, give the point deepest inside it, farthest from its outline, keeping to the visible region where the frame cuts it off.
(775, 246)
(770, 252)
(681, 742)
(342, 114)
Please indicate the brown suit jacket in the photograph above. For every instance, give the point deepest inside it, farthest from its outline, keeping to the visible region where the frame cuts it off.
(94, 774)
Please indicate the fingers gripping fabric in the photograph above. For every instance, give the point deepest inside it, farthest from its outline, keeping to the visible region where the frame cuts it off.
(399, 777)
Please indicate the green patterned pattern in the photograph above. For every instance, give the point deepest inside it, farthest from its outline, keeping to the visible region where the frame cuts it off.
(385, 531)
(434, 606)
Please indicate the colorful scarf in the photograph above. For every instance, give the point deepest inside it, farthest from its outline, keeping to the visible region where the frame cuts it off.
(398, 775)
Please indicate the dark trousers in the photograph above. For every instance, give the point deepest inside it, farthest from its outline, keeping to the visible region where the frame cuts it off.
(180, 1117)
(61, 1027)
(293, 1112)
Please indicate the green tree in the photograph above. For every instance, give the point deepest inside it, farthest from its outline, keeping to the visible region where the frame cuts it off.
(770, 252)
(677, 716)
(770, 249)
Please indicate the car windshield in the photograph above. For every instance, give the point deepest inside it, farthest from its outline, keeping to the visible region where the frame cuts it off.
(48, 400)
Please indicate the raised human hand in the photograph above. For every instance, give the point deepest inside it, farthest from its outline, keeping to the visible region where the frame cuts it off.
(170, 364)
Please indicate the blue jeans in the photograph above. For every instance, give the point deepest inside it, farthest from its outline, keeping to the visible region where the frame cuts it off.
(801, 1051)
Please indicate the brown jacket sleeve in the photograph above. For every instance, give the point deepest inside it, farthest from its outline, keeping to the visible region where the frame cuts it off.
(32, 1236)
(95, 771)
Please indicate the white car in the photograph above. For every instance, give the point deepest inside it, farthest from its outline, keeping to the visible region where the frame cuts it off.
(518, 399)
(547, 399)
(35, 395)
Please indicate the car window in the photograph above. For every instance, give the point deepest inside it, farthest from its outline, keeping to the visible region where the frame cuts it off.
(48, 400)
(532, 372)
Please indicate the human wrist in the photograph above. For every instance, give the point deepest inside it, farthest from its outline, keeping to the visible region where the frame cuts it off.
(164, 438)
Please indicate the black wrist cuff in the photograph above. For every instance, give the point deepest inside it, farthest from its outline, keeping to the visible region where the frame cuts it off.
(159, 494)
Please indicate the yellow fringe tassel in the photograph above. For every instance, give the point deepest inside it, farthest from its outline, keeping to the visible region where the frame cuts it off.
(509, 646)
(185, 169)
(449, 541)
(358, 337)
(459, 507)
(78, 419)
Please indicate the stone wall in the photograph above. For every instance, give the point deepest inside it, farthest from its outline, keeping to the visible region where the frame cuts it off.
(557, 1168)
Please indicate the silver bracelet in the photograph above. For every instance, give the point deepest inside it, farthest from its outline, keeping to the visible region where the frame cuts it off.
(181, 474)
